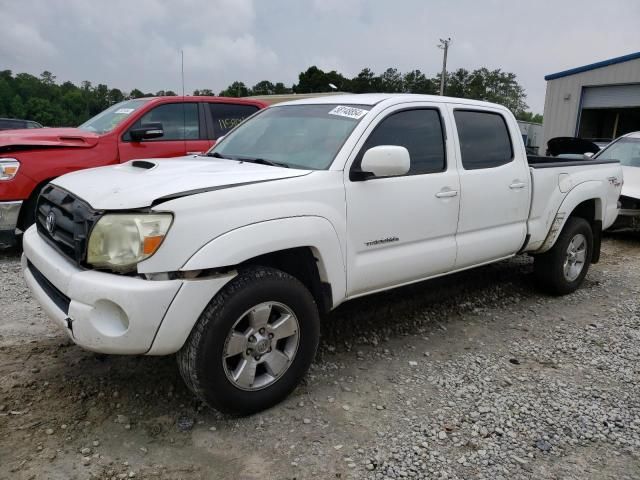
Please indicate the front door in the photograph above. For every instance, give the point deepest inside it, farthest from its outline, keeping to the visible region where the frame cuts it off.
(402, 229)
(495, 187)
(183, 133)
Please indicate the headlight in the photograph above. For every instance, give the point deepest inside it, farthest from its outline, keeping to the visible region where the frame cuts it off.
(8, 168)
(120, 241)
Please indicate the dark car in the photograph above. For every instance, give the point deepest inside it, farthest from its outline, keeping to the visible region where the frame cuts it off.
(570, 146)
(16, 124)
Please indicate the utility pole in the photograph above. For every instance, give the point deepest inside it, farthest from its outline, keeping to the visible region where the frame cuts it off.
(444, 45)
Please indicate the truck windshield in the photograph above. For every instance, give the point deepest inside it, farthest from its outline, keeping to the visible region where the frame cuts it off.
(109, 119)
(296, 136)
(626, 150)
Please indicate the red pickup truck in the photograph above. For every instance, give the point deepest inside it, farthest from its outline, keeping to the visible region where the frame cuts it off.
(137, 128)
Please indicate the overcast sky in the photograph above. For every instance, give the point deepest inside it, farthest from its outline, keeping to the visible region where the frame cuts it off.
(136, 43)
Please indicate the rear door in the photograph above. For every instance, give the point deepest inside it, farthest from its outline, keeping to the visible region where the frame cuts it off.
(402, 229)
(494, 184)
(183, 133)
(225, 116)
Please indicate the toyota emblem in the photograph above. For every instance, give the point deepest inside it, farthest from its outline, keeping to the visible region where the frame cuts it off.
(50, 222)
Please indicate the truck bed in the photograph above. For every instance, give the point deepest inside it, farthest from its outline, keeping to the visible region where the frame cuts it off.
(553, 178)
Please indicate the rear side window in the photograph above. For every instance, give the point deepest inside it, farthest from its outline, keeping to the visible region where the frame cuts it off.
(484, 139)
(419, 131)
(227, 115)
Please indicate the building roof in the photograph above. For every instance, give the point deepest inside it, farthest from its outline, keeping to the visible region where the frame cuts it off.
(593, 66)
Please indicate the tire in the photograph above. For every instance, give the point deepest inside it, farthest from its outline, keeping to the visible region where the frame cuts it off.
(208, 361)
(559, 272)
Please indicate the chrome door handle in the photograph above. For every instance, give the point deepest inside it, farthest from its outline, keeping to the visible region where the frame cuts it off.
(195, 153)
(517, 185)
(447, 193)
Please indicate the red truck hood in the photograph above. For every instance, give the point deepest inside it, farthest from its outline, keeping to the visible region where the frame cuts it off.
(47, 138)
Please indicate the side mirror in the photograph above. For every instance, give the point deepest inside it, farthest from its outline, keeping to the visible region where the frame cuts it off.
(146, 132)
(588, 155)
(385, 161)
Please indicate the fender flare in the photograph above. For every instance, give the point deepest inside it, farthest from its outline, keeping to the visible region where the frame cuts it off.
(590, 190)
(243, 243)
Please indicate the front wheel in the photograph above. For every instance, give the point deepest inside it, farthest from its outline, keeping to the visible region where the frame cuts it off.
(562, 269)
(253, 343)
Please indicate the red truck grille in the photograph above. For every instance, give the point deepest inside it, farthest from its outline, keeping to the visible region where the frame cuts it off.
(65, 221)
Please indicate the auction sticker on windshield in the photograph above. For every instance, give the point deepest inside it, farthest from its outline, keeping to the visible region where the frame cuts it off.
(125, 111)
(349, 112)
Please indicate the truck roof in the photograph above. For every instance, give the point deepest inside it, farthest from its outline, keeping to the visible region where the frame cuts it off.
(187, 98)
(376, 98)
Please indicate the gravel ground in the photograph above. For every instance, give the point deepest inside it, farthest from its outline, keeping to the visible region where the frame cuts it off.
(476, 375)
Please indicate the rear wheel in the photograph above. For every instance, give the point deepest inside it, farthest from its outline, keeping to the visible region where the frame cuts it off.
(562, 269)
(253, 343)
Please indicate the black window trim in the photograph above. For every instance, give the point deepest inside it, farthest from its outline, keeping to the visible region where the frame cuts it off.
(125, 138)
(356, 174)
(206, 124)
(490, 112)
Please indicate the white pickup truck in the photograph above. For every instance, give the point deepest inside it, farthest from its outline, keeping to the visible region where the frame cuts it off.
(229, 259)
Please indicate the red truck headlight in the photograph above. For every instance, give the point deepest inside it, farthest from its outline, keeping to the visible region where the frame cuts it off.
(8, 168)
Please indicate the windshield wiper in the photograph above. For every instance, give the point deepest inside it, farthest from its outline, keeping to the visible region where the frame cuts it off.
(264, 161)
(261, 161)
(216, 155)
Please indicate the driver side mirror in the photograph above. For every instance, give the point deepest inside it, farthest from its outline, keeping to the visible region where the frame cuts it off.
(146, 132)
(588, 155)
(383, 161)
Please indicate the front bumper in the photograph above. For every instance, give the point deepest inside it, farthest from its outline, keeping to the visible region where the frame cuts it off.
(110, 313)
(9, 213)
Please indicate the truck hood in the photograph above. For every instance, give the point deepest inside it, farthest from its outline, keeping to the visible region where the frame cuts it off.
(143, 183)
(631, 185)
(46, 138)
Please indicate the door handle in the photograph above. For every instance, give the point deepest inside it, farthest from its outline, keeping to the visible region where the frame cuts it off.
(195, 153)
(447, 193)
(517, 185)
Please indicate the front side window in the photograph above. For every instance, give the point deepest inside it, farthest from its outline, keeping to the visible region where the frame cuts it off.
(626, 150)
(297, 136)
(110, 118)
(484, 139)
(179, 121)
(419, 131)
(226, 116)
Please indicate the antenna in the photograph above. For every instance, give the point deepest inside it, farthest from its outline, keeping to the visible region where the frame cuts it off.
(184, 113)
(182, 68)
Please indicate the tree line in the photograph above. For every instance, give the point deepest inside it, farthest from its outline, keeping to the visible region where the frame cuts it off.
(65, 104)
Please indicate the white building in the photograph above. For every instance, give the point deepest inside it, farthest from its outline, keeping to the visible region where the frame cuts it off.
(532, 136)
(596, 101)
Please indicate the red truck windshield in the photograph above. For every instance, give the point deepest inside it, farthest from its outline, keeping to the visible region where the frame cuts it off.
(110, 118)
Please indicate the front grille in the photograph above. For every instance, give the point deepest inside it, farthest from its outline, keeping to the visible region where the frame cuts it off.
(70, 222)
(59, 298)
